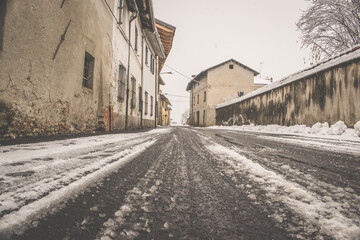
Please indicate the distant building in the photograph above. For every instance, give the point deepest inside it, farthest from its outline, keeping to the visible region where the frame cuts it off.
(215, 85)
(77, 66)
(165, 111)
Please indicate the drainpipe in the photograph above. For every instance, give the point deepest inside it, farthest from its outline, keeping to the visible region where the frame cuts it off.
(156, 91)
(142, 80)
(133, 17)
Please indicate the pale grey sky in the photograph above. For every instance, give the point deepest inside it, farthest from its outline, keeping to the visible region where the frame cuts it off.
(209, 32)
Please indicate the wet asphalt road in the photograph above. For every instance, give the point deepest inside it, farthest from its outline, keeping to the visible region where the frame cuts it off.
(213, 184)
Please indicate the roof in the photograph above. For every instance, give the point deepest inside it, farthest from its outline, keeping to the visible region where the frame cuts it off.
(165, 99)
(346, 56)
(161, 81)
(203, 73)
(146, 13)
(261, 81)
(167, 33)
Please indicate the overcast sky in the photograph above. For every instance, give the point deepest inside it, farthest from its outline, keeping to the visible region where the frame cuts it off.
(209, 32)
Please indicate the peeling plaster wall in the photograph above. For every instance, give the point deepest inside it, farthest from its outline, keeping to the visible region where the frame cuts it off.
(41, 67)
(326, 96)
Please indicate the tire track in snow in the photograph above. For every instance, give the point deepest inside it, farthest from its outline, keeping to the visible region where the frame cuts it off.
(314, 215)
(134, 218)
(32, 201)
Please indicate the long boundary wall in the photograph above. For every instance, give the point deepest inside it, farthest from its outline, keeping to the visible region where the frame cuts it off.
(328, 92)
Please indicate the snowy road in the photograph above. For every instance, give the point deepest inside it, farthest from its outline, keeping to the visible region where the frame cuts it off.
(181, 183)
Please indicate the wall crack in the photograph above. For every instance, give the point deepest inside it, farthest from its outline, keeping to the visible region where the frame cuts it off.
(62, 39)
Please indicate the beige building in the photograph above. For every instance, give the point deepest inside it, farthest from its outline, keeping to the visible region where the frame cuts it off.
(76, 66)
(215, 85)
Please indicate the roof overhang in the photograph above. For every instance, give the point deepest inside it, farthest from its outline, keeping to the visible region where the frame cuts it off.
(146, 14)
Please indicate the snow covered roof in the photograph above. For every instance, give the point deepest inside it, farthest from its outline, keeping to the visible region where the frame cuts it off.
(346, 56)
(261, 81)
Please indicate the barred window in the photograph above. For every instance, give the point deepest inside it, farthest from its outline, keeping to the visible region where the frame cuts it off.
(146, 55)
(152, 106)
(88, 74)
(133, 93)
(120, 11)
(121, 83)
(136, 38)
(146, 103)
(140, 99)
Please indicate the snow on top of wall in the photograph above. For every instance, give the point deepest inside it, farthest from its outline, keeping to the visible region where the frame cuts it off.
(349, 55)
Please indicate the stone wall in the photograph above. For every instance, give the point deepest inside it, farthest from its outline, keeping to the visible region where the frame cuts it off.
(327, 93)
(42, 65)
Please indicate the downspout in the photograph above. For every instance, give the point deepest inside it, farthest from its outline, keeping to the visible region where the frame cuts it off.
(142, 81)
(156, 91)
(133, 17)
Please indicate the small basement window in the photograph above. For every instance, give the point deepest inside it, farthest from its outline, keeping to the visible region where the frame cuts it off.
(88, 74)
(231, 66)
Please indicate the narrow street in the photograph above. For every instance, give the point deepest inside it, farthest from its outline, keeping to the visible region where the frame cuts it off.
(181, 183)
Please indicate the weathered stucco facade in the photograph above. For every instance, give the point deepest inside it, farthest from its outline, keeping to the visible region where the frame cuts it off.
(216, 85)
(47, 49)
(328, 92)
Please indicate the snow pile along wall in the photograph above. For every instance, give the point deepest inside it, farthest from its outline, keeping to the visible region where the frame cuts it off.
(327, 92)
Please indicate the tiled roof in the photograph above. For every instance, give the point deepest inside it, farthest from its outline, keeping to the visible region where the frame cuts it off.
(167, 33)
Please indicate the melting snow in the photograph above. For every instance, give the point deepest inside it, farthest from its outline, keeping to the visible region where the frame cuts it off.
(325, 213)
(36, 177)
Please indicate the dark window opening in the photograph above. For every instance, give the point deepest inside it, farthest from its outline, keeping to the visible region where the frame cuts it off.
(120, 10)
(3, 6)
(88, 74)
(198, 99)
(146, 55)
(152, 105)
(204, 96)
(204, 118)
(136, 38)
(146, 102)
(152, 64)
(140, 99)
(231, 66)
(133, 93)
(121, 83)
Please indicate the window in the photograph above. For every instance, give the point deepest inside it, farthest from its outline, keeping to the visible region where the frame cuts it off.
(136, 38)
(140, 99)
(88, 74)
(133, 93)
(152, 106)
(198, 99)
(151, 63)
(2, 21)
(204, 96)
(146, 103)
(146, 55)
(121, 83)
(120, 11)
(231, 66)
(204, 118)
(194, 101)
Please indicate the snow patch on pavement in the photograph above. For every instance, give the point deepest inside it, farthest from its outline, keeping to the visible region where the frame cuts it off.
(35, 178)
(324, 213)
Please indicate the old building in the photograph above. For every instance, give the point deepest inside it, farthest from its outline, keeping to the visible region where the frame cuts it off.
(167, 33)
(165, 117)
(325, 92)
(74, 66)
(215, 85)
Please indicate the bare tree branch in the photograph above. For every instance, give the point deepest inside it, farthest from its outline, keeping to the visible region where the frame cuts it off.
(330, 26)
